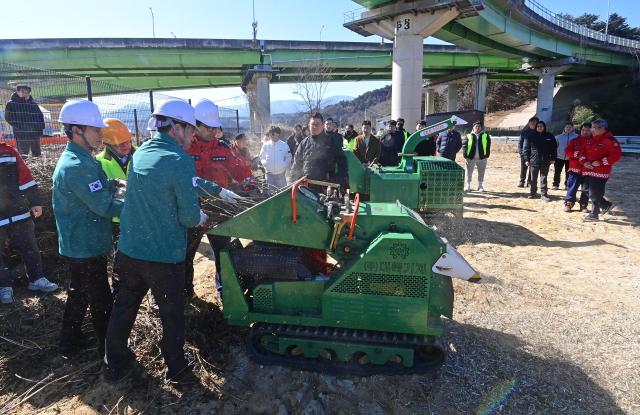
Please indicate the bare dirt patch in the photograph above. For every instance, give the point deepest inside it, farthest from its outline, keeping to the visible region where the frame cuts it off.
(552, 329)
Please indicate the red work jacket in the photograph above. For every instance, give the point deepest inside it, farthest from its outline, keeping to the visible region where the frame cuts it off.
(216, 163)
(603, 148)
(572, 151)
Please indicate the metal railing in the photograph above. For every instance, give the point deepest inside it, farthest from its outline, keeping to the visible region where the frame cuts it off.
(630, 144)
(355, 14)
(558, 20)
(34, 128)
(554, 18)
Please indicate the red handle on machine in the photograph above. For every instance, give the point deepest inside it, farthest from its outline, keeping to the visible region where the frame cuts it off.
(354, 219)
(294, 192)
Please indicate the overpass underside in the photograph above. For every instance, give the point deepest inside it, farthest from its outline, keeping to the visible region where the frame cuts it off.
(163, 64)
(547, 49)
(509, 28)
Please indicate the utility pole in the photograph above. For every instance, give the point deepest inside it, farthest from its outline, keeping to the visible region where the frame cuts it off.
(321, 29)
(153, 23)
(254, 24)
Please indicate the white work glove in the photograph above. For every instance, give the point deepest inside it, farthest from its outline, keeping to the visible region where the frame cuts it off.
(203, 218)
(229, 196)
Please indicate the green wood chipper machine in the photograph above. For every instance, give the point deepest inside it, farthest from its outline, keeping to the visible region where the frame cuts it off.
(339, 286)
(430, 185)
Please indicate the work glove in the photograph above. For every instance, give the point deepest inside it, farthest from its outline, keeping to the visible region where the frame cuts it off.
(248, 184)
(120, 193)
(203, 218)
(120, 188)
(120, 183)
(229, 196)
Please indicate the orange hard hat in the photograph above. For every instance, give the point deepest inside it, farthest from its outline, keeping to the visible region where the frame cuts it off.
(115, 132)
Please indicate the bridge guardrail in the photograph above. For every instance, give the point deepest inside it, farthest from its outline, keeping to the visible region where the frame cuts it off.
(547, 14)
(555, 18)
(354, 14)
(630, 144)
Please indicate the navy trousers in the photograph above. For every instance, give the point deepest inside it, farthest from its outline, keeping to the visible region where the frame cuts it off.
(166, 282)
(22, 236)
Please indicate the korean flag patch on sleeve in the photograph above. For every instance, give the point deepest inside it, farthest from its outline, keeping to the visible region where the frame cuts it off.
(194, 181)
(95, 186)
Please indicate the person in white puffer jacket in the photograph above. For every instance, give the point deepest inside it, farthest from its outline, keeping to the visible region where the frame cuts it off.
(275, 157)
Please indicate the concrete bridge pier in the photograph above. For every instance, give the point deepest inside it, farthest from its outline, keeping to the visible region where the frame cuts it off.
(256, 85)
(452, 97)
(480, 92)
(429, 101)
(407, 30)
(546, 84)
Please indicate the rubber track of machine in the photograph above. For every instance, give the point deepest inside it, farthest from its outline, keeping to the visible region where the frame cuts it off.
(265, 357)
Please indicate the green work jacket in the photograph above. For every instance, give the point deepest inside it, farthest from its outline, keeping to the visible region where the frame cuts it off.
(161, 202)
(82, 204)
(112, 168)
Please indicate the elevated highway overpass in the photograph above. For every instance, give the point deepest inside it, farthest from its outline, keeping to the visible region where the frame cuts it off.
(494, 39)
(164, 64)
(548, 45)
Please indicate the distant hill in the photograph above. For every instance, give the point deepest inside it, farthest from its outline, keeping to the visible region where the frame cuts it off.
(376, 104)
(372, 105)
(288, 106)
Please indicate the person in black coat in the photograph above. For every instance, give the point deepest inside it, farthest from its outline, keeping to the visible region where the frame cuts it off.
(295, 139)
(391, 144)
(24, 115)
(540, 151)
(318, 157)
(449, 143)
(331, 129)
(529, 129)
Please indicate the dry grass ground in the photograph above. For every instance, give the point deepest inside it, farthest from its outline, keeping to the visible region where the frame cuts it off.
(553, 328)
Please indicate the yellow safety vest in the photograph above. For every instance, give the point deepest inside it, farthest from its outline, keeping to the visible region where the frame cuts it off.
(483, 141)
(112, 168)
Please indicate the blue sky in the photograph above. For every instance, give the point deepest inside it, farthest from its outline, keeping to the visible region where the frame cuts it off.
(277, 19)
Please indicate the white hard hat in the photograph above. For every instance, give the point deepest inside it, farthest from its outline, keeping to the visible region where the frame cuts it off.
(178, 110)
(81, 112)
(151, 124)
(207, 113)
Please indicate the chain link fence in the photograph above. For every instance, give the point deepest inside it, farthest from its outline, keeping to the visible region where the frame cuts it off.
(28, 116)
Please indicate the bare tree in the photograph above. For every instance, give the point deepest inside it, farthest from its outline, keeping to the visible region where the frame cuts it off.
(312, 80)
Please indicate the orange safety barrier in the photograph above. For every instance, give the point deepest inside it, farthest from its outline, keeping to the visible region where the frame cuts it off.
(44, 140)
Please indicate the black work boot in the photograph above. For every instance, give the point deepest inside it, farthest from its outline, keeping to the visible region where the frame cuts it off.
(591, 218)
(595, 211)
(606, 207)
